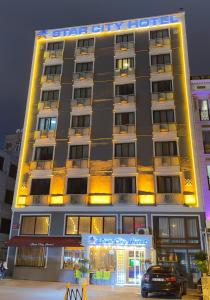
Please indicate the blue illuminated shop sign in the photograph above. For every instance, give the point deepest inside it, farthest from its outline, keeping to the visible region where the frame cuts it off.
(116, 240)
(109, 27)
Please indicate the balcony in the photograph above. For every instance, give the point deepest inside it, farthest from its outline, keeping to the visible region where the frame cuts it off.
(48, 105)
(38, 200)
(128, 162)
(126, 199)
(124, 47)
(81, 102)
(124, 129)
(75, 199)
(41, 165)
(83, 76)
(161, 130)
(165, 162)
(124, 73)
(77, 163)
(125, 100)
(160, 43)
(206, 148)
(160, 69)
(170, 199)
(53, 54)
(44, 134)
(51, 78)
(84, 51)
(79, 132)
(163, 99)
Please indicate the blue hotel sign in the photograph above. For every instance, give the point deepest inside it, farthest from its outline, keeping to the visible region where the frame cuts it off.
(109, 27)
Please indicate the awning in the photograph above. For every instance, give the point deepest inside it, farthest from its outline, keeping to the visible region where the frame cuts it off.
(45, 241)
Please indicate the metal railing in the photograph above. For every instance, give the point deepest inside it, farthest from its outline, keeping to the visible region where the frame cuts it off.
(41, 165)
(125, 199)
(164, 127)
(166, 161)
(38, 200)
(162, 96)
(124, 46)
(124, 99)
(44, 134)
(81, 102)
(160, 42)
(84, 131)
(51, 78)
(124, 72)
(84, 50)
(77, 163)
(163, 68)
(172, 199)
(124, 162)
(83, 75)
(204, 114)
(50, 54)
(48, 105)
(124, 129)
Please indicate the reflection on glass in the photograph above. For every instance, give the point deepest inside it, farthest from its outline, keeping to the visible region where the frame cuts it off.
(72, 225)
(71, 258)
(102, 259)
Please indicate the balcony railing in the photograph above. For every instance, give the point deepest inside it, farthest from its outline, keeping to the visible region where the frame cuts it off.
(124, 162)
(124, 72)
(84, 50)
(79, 131)
(204, 114)
(83, 75)
(51, 105)
(76, 199)
(124, 46)
(125, 99)
(51, 78)
(160, 42)
(124, 129)
(171, 199)
(50, 54)
(166, 161)
(80, 102)
(38, 200)
(206, 148)
(44, 134)
(158, 69)
(77, 163)
(128, 199)
(164, 127)
(163, 96)
(41, 165)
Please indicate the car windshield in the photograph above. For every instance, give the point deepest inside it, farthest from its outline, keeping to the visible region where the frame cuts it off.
(158, 270)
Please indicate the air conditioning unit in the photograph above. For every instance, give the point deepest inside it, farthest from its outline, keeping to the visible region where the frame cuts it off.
(142, 231)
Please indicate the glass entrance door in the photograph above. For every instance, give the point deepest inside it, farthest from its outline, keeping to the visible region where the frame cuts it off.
(135, 266)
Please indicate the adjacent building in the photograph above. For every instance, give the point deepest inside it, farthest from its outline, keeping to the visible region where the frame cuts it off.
(108, 166)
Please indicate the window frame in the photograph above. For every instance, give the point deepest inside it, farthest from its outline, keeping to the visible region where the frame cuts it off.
(34, 215)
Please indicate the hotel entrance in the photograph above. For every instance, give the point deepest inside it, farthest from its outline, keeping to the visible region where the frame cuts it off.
(135, 266)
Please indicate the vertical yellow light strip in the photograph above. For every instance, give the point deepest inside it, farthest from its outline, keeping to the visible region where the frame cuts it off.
(186, 90)
(28, 119)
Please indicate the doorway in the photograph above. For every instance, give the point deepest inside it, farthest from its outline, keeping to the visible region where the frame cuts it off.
(135, 266)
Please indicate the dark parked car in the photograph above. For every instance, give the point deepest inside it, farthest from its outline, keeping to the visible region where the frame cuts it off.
(164, 279)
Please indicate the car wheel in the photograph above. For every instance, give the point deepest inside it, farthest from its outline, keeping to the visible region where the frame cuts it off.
(144, 294)
(178, 295)
(184, 289)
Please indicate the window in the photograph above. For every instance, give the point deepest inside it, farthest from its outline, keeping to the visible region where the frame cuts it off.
(1, 163)
(90, 224)
(52, 70)
(79, 152)
(13, 171)
(43, 153)
(125, 38)
(5, 226)
(81, 93)
(125, 185)
(165, 148)
(51, 95)
(103, 258)
(125, 118)
(71, 258)
(55, 46)
(85, 43)
(163, 116)
(124, 63)
(125, 150)
(47, 124)
(77, 186)
(9, 196)
(40, 187)
(161, 59)
(31, 257)
(208, 175)
(80, 121)
(124, 89)
(206, 141)
(35, 225)
(84, 67)
(159, 34)
(162, 86)
(204, 110)
(168, 184)
(130, 224)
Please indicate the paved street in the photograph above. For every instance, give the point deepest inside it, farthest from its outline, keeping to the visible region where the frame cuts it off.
(35, 290)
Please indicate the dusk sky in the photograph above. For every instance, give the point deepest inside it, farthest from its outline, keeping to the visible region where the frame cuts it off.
(19, 19)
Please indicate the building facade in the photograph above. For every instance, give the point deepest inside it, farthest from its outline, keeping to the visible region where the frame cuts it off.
(108, 154)
(8, 171)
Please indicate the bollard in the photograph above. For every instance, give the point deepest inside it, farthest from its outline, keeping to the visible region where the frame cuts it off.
(85, 292)
(67, 291)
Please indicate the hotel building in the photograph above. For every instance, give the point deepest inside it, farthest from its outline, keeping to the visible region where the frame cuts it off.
(108, 169)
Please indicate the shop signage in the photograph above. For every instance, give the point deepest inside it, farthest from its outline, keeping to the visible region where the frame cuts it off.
(109, 27)
(41, 245)
(117, 240)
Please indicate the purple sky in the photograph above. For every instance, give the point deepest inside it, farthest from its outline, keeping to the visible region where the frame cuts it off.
(19, 19)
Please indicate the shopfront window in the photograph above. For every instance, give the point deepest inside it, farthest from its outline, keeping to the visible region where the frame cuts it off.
(102, 259)
(35, 225)
(72, 257)
(131, 224)
(31, 256)
(88, 224)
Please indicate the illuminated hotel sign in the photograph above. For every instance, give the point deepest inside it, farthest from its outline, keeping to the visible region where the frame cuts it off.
(109, 27)
(116, 240)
